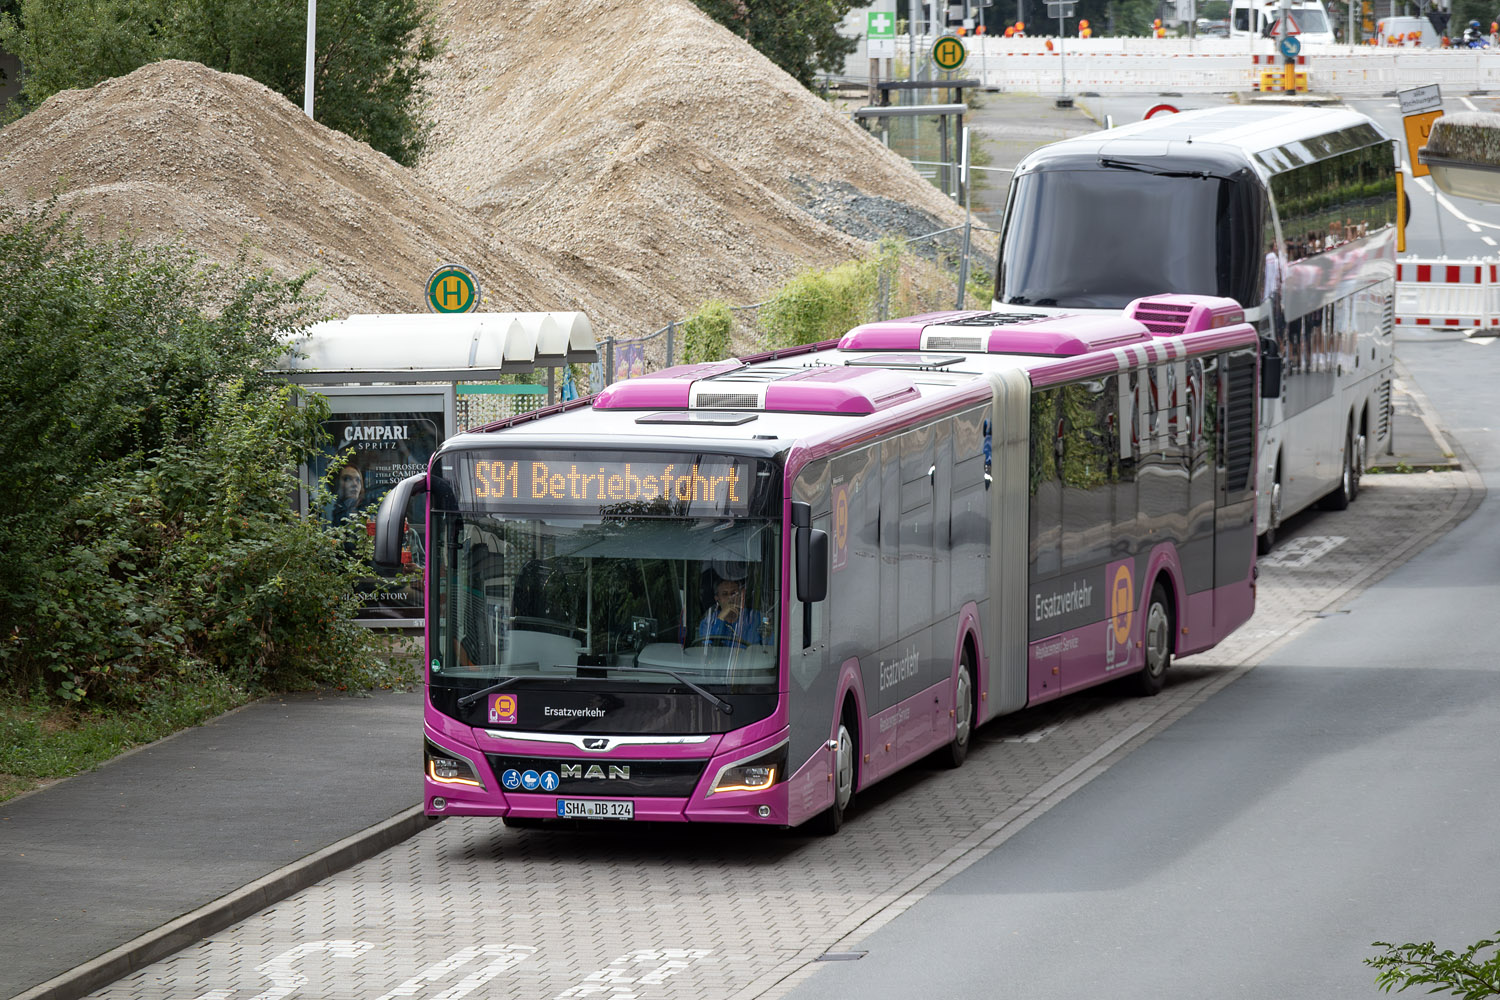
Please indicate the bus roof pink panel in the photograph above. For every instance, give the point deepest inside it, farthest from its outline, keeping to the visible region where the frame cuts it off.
(840, 390)
(1173, 315)
(668, 389)
(903, 334)
(1065, 336)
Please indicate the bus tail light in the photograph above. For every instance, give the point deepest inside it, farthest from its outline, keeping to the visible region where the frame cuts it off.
(754, 775)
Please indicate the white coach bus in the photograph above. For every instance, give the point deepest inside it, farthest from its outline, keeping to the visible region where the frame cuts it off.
(1289, 211)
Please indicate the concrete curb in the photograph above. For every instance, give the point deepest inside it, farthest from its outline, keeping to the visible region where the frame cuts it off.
(229, 909)
(1450, 458)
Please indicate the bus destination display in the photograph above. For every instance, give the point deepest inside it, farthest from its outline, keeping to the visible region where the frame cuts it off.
(704, 484)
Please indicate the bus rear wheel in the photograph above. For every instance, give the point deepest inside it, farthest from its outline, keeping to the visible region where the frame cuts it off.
(1348, 488)
(1158, 644)
(957, 750)
(845, 754)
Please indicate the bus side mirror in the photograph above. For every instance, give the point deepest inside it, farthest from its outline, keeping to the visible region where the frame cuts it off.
(1270, 370)
(812, 565)
(390, 520)
(811, 555)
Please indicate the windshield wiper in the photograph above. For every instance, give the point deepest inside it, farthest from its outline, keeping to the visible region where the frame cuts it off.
(1144, 168)
(712, 698)
(474, 696)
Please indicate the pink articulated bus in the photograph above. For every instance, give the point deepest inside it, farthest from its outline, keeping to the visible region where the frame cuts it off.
(743, 591)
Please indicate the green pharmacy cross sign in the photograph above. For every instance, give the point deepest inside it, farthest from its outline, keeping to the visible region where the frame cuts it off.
(880, 34)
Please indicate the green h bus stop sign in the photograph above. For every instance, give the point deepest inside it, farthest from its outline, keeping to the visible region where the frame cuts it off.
(949, 52)
(452, 289)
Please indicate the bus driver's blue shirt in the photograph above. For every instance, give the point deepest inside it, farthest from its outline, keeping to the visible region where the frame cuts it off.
(746, 628)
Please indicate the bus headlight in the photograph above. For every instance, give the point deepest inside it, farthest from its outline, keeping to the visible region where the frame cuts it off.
(754, 775)
(448, 768)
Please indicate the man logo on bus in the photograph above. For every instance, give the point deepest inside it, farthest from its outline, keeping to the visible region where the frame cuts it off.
(1122, 603)
(503, 709)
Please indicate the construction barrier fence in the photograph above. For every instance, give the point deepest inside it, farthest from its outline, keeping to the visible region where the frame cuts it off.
(1463, 295)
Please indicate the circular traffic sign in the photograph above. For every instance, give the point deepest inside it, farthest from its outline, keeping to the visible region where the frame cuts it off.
(1160, 109)
(452, 289)
(1290, 46)
(949, 52)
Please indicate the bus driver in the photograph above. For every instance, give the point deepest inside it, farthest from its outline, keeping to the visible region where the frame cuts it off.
(728, 622)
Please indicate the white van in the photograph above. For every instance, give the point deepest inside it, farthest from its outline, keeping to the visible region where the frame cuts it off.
(1400, 27)
(1251, 18)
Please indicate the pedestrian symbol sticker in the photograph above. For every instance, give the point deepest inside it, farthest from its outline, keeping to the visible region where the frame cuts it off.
(452, 289)
(949, 52)
(550, 781)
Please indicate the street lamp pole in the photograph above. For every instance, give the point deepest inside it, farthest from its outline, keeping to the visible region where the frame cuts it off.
(312, 37)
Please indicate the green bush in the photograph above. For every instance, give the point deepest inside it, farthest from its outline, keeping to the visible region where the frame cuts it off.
(152, 463)
(1405, 965)
(705, 334)
(823, 304)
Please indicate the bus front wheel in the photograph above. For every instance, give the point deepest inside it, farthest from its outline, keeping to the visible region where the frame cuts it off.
(827, 822)
(1267, 540)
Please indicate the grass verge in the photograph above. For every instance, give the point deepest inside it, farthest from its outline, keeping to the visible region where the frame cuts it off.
(41, 743)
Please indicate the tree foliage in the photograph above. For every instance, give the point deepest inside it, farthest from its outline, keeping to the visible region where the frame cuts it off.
(800, 36)
(151, 459)
(368, 71)
(1460, 974)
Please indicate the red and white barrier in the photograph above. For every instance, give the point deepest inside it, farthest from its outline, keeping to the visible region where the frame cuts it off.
(1454, 294)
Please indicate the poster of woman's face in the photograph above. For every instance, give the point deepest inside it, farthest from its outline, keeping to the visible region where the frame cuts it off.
(368, 453)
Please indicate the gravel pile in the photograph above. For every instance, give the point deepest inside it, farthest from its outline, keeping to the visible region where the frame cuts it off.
(176, 153)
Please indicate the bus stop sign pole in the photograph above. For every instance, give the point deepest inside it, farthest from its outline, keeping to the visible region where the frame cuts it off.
(1062, 9)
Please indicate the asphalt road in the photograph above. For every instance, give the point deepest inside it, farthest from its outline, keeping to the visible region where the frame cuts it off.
(1341, 793)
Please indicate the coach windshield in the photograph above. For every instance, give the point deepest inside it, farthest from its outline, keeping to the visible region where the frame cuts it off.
(1100, 235)
(604, 592)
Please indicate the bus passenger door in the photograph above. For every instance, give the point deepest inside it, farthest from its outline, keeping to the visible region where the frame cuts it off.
(1044, 555)
(813, 679)
(1232, 401)
(910, 667)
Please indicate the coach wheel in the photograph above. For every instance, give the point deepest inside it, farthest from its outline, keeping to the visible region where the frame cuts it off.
(1360, 459)
(1158, 644)
(1267, 540)
(957, 751)
(1343, 493)
(829, 820)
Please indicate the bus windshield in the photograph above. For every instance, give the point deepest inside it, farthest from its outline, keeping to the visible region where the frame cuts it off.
(1102, 236)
